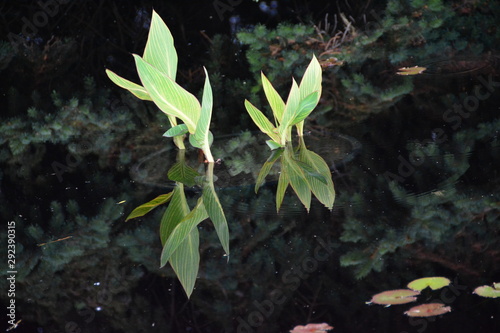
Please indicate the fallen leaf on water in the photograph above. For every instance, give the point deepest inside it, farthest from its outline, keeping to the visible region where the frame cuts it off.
(432, 282)
(411, 70)
(488, 291)
(312, 328)
(428, 310)
(393, 297)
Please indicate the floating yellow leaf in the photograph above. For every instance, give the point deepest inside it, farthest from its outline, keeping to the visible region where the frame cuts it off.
(488, 291)
(411, 70)
(434, 283)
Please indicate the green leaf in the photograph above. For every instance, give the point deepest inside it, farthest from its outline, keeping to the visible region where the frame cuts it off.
(201, 135)
(311, 80)
(290, 113)
(298, 180)
(183, 173)
(168, 95)
(174, 214)
(261, 121)
(176, 131)
(149, 206)
(433, 282)
(283, 182)
(160, 50)
(273, 145)
(274, 99)
(306, 106)
(186, 261)
(214, 209)
(182, 230)
(196, 144)
(266, 168)
(137, 90)
(324, 191)
(488, 291)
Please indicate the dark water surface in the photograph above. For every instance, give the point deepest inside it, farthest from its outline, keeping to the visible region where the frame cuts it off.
(417, 190)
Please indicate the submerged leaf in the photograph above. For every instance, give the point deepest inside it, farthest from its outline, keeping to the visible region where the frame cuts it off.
(428, 310)
(393, 297)
(488, 291)
(432, 282)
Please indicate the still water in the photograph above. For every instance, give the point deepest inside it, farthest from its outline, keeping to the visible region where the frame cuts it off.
(417, 195)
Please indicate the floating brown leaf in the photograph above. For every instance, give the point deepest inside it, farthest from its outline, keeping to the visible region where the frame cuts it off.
(397, 296)
(428, 310)
(312, 328)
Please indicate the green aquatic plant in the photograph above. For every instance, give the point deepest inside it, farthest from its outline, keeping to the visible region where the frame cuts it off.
(304, 170)
(178, 229)
(157, 69)
(301, 101)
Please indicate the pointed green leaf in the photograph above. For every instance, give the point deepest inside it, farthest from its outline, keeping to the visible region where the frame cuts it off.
(266, 168)
(274, 99)
(134, 88)
(201, 135)
(176, 131)
(160, 50)
(168, 95)
(186, 261)
(273, 145)
(289, 114)
(214, 209)
(306, 106)
(174, 214)
(283, 182)
(324, 191)
(182, 230)
(183, 173)
(261, 121)
(311, 80)
(298, 181)
(149, 206)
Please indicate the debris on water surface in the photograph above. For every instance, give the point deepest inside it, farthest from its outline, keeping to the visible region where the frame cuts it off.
(488, 291)
(393, 297)
(428, 310)
(312, 328)
(434, 283)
